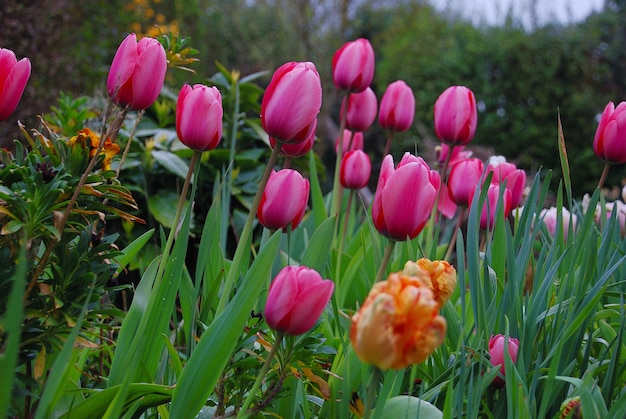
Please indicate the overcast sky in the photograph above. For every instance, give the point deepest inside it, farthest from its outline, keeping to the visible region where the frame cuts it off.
(494, 12)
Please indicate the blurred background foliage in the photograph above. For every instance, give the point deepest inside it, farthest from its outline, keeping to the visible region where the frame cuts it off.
(522, 78)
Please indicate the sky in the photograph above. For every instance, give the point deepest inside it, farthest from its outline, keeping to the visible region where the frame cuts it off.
(494, 12)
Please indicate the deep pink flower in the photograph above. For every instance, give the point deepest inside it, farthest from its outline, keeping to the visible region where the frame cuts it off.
(404, 197)
(296, 299)
(295, 150)
(550, 218)
(352, 140)
(137, 72)
(284, 200)
(458, 153)
(446, 206)
(291, 102)
(397, 107)
(13, 78)
(362, 108)
(488, 212)
(609, 142)
(353, 66)
(496, 354)
(515, 178)
(456, 116)
(464, 177)
(356, 168)
(199, 117)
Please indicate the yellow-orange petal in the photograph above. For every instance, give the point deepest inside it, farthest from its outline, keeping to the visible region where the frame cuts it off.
(438, 275)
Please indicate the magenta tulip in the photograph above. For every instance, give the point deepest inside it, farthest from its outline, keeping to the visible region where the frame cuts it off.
(361, 110)
(397, 107)
(291, 102)
(356, 168)
(456, 116)
(352, 140)
(458, 153)
(515, 178)
(496, 354)
(464, 177)
(295, 150)
(296, 299)
(404, 197)
(199, 117)
(137, 72)
(609, 142)
(13, 78)
(284, 200)
(446, 206)
(353, 66)
(488, 212)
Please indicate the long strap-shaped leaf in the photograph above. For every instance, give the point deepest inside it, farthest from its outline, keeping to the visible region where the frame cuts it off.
(214, 349)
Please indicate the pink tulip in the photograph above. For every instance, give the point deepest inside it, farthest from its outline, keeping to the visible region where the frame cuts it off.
(550, 216)
(488, 212)
(284, 200)
(458, 153)
(446, 206)
(515, 178)
(609, 142)
(296, 299)
(291, 102)
(464, 177)
(352, 140)
(353, 66)
(496, 354)
(199, 117)
(362, 108)
(397, 107)
(13, 78)
(404, 197)
(356, 168)
(295, 150)
(456, 116)
(137, 72)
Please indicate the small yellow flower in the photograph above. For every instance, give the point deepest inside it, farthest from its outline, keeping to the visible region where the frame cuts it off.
(399, 323)
(438, 275)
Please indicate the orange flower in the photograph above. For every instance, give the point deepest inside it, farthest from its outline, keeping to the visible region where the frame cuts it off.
(87, 137)
(438, 275)
(398, 324)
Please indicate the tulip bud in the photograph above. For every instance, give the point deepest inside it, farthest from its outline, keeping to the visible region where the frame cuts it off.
(291, 102)
(295, 150)
(352, 140)
(296, 299)
(458, 153)
(398, 324)
(404, 197)
(13, 78)
(609, 142)
(515, 178)
(137, 72)
(496, 354)
(438, 275)
(355, 170)
(361, 110)
(397, 107)
(199, 117)
(284, 200)
(353, 66)
(464, 177)
(550, 216)
(456, 116)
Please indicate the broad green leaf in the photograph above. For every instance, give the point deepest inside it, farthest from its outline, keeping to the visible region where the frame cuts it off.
(410, 407)
(171, 162)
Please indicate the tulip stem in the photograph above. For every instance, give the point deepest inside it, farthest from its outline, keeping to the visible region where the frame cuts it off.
(243, 412)
(234, 270)
(343, 236)
(388, 144)
(385, 261)
(456, 229)
(605, 172)
(128, 142)
(337, 188)
(371, 392)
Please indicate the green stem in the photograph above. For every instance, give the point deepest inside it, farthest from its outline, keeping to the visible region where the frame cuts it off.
(371, 393)
(605, 172)
(342, 238)
(453, 239)
(337, 188)
(243, 412)
(179, 210)
(228, 180)
(246, 232)
(385, 261)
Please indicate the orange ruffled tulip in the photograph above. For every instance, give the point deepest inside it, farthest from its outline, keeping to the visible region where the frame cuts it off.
(438, 275)
(399, 323)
